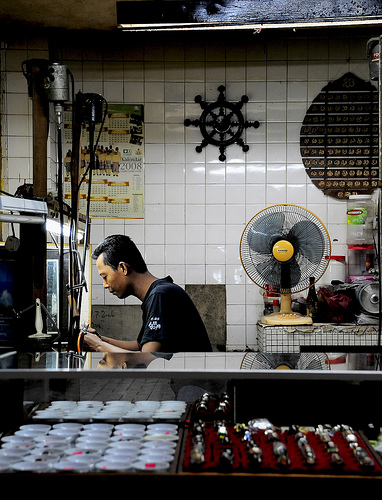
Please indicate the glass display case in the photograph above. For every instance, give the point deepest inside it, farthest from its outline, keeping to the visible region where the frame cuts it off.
(189, 416)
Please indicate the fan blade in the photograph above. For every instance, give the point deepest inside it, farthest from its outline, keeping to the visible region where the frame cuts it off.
(263, 362)
(270, 271)
(270, 361)
(308, 240)
(311, 361)
(262, 232)
(281, 275)
(294, 272)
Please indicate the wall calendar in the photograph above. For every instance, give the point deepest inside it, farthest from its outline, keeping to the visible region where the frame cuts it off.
(117, 184)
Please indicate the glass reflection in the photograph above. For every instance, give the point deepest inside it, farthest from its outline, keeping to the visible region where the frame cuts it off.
(220, 362)
(112, 361)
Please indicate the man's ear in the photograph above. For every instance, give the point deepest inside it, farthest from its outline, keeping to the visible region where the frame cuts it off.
(124, 267)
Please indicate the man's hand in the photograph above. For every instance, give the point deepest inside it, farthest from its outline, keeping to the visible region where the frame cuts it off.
(92, 330)
(93, 341)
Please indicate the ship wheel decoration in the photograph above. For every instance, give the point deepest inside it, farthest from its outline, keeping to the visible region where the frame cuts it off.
(221, 123)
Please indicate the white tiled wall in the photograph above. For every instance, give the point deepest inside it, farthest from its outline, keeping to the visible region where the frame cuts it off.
(195, 206)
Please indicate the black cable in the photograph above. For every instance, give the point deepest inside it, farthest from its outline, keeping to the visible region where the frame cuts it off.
(77, 268)
(92, 147)
(71, 329)
(61, 251)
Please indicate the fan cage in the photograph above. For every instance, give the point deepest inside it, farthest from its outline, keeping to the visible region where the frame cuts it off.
(276, 361)
(251, 259)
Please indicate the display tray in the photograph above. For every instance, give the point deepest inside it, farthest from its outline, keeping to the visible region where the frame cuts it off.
(231, 451)
(215, 444)
(90, 437)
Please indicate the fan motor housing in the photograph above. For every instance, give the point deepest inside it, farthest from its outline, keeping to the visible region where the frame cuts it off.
(283, 250)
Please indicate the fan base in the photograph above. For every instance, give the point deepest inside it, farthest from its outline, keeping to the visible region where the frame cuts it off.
(289, 318)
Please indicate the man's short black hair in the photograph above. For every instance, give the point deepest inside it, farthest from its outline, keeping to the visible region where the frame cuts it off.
(120, 248)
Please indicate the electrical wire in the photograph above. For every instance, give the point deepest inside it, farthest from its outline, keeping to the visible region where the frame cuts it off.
(77, 265)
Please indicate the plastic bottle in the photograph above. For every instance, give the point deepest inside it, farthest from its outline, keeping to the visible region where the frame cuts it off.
(360, 214)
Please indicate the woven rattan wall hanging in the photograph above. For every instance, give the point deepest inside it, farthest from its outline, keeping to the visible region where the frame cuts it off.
(339, 138)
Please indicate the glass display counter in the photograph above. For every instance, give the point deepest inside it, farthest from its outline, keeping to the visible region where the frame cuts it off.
(189, 417)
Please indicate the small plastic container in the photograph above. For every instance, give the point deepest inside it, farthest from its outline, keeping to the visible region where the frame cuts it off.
(148, 403)
(69, 435)
(91, 443)
(73, 466)
(126, 436)
(81, 451)
(30, 433)
(30, 466)
(35, 427)
(159, 445)
(99, 426)
(5, 466)
(129, 427)
(167, 415)
(336, 270)
(52, 440)
(13, 454)
(158, 435)
(63, 404)
(136, 415)
(70, 426)
(45, 454)
(156, 457)
(48, 415)
(132, 448)
(118, 404)
(123, 446)
(360, 215)
(18, 442)
(48, 458)
(119, 455)
(174, 405)
(110, 465)
(162, 427)
(151, 466)
(96, 432)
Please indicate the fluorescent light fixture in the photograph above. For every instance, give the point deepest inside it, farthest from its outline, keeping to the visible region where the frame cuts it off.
(28, 211)
(54, 227)
(22, 219)
(256, 28)
(13, 203)
(189, 26)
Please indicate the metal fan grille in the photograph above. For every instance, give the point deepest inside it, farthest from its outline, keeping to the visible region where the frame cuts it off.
(275, 361)
(310, 240)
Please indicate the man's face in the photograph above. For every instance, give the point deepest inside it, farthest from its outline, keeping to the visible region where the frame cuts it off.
(115, 281)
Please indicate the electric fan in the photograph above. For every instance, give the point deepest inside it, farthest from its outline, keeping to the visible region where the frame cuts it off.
(281, 248)
(303, 361)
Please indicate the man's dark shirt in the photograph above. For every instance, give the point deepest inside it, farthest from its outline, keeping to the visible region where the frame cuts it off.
(171, 318)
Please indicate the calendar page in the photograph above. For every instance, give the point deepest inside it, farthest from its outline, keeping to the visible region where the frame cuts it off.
(117, 187)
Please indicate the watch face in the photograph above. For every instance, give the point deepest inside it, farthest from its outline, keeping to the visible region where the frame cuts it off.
(221, 123)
